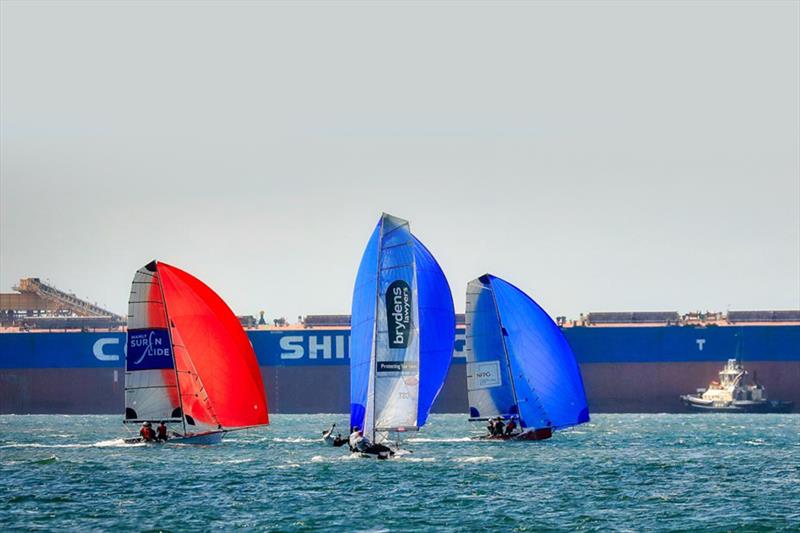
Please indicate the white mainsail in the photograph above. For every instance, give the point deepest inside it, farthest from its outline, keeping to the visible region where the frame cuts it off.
(393, 394)
(151, 391)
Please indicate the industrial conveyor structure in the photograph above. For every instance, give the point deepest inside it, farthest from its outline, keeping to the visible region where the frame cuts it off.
(40, 305)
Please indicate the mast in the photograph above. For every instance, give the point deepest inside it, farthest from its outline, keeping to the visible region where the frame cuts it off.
(374, 354)
(172, 353)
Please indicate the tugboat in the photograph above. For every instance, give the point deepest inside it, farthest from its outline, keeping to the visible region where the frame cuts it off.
(733, 394)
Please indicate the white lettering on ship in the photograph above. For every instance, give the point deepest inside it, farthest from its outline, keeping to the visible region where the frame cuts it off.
(295, 347)
(292, 344)
(700, 343)
(100, 354)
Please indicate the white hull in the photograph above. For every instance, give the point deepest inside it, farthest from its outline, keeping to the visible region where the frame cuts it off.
(200, 439)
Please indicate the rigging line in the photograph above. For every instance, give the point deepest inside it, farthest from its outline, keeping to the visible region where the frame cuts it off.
(196, 375)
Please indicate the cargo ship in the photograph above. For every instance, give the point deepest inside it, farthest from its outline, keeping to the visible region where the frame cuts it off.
(61, 354)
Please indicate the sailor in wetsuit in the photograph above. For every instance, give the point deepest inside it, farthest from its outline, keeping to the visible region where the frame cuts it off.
(353, 438)
(510, 427)
(328, 437)
(161, 432)
(360, 443)
(497, 427)
(147, 433)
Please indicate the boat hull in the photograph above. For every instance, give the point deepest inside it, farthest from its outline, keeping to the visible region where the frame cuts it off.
(529, 435)
(383, 455)
(200, 439)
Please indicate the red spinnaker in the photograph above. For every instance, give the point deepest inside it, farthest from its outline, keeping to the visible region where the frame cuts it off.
(225, 385)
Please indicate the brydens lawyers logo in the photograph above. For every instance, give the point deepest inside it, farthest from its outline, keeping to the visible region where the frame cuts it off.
(398, 313)
(149, 349)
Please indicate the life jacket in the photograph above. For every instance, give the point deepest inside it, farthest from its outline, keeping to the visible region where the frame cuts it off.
(146, 433)
(161, 431)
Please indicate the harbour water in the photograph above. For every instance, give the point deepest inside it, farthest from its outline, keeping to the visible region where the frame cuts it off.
(698, 472)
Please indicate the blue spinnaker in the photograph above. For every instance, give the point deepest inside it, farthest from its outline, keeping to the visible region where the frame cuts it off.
(547, 379)
(437, 329)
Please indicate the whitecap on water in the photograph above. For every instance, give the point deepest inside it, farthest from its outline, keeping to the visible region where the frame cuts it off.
(295, 440)
(232, 461)
(473, 459)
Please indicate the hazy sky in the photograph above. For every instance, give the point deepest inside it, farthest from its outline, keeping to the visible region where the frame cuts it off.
(601, 156)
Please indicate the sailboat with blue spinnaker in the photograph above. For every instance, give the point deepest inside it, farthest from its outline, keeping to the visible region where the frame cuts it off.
(521, 372)
(402, 336)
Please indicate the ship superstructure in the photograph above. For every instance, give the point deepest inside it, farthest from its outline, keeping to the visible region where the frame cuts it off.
(734, 393)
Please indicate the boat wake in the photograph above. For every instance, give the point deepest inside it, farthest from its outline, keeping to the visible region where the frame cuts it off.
(37, 445)
(116, 443)
(429, 439)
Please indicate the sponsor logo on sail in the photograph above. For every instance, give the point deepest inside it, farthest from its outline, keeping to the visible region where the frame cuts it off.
(148, 349)
(398, 313)
(401, 367)
(483, 375)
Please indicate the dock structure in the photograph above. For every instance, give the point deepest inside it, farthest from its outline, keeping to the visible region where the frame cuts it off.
(40, 305)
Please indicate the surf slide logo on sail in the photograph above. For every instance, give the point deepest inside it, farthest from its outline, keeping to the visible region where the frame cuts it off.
(148, 349)
(398, 312)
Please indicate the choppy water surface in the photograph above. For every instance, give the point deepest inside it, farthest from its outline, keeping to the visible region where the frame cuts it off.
(626, 472)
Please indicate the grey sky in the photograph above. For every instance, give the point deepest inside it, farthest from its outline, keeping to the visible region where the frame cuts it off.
(601, 156)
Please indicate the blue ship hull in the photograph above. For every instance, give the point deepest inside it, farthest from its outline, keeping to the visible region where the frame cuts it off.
(625, 369)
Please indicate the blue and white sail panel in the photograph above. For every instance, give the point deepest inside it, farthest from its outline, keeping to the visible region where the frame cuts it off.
(489, 387)
(362, 329)
(437, 327)
(397, 368)
(403, 331)
(547, 379)
(150, 381)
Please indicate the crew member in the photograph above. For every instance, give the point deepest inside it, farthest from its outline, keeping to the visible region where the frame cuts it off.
(336, 441)
(364, 445)
(353, 438)
(498, 427)
(161, 432)
(147, 433)
(510, 427)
